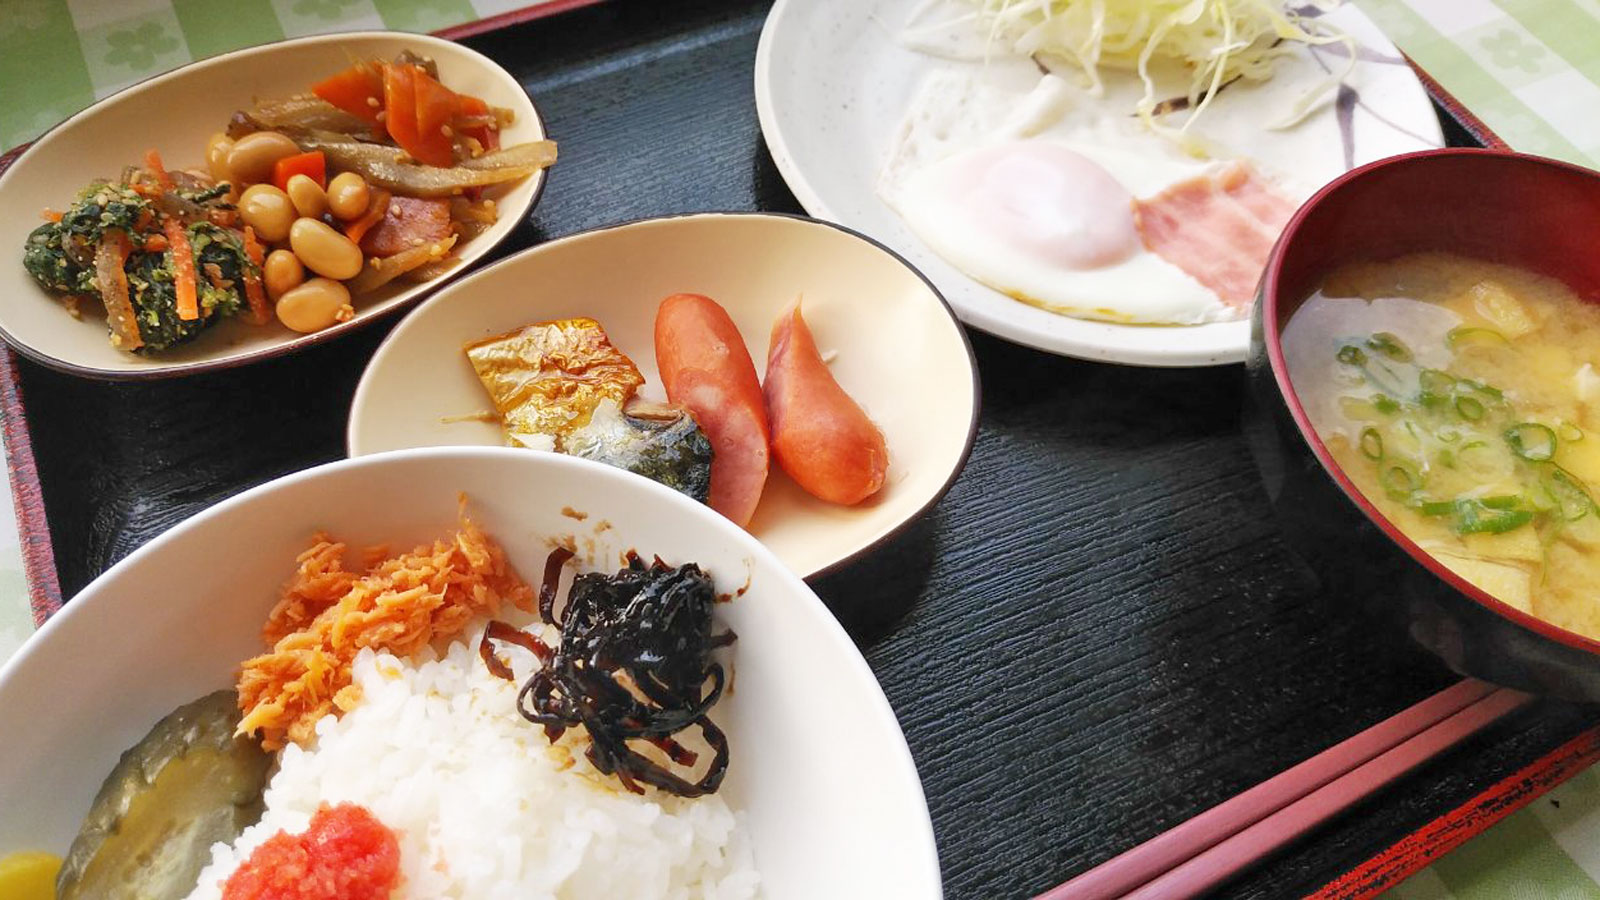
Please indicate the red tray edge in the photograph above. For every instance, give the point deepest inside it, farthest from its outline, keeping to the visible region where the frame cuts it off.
(1421, 848)
(1457, 110)
(33, 529)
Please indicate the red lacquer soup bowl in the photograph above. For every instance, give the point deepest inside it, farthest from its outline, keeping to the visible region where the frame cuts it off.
(1533, 213)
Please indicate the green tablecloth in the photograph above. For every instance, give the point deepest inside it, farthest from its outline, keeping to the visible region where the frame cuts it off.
(1529, 68)
(58, 56)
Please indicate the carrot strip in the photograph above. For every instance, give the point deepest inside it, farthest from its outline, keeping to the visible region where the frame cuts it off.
(435, 105)
(260, 311)
(377, 208)
(52, 215)
(312, 165)
(155, 243)
(357, 90)
(152, 161)
(186, 281)
(252, 246)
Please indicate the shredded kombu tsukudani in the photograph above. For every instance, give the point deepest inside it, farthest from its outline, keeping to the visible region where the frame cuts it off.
(632, 665)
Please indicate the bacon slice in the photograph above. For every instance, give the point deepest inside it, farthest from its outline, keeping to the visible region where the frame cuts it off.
(1218, 227)
(408, 222)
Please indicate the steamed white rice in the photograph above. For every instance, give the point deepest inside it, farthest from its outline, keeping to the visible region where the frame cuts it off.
(483, 807)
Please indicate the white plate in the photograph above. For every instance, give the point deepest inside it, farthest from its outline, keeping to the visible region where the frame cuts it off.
(174, 114)
(818, 762)
(899, 351)
(832, 85)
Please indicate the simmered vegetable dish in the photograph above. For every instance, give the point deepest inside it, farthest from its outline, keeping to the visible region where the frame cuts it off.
(304, 206)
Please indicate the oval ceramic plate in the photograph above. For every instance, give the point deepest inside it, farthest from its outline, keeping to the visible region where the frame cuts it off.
(174, 114)
(897, 349)
(833, 83)
(816, 780)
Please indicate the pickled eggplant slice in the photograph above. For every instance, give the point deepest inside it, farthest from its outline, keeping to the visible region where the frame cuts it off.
(660, 441)
(187, 785)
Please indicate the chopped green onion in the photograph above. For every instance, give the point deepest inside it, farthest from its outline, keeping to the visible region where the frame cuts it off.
(1385, 404)
(1434, 381)
(1352, 355)
(1474, 518)
(1531, 441)
(1371, 444)
(1389, 346)
(1569, 492)
(1446, 458)
(1358, 410)
(1469, 408)
(1482, 388)
(1570, 432)
(1437, 507)
(1447, 435)
(1490, 515)
(1400, 480)
(1469, 335)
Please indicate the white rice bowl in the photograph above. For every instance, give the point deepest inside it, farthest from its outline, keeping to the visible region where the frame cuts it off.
(483, 806)
(820, 770)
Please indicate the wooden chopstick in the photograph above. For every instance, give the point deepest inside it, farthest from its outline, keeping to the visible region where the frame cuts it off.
(1219, 842)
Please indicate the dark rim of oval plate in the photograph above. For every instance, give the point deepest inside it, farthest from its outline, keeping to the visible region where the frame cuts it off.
(1280, 372)
(961, 331)
(294, 345)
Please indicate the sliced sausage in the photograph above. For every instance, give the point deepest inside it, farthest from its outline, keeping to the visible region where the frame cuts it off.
(820, 436)
(705, 366)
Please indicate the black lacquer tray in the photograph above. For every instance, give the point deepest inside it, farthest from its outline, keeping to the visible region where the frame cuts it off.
(1095, 636)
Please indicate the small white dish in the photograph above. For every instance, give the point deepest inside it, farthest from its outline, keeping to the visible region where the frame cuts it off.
(833, 83)
(897, 349)
(174, 114)
(818, 762)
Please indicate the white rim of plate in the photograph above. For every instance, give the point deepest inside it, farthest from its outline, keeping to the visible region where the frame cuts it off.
(1218, 343)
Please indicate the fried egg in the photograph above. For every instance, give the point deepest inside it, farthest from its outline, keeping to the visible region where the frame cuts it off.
(1027, 183)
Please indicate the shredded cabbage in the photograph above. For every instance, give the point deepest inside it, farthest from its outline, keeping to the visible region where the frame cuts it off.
(1217, 41)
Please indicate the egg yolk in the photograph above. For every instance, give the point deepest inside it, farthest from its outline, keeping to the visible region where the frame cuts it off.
(1048, 201)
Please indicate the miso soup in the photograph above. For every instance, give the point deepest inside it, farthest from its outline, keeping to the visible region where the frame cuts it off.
(1463, 399)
